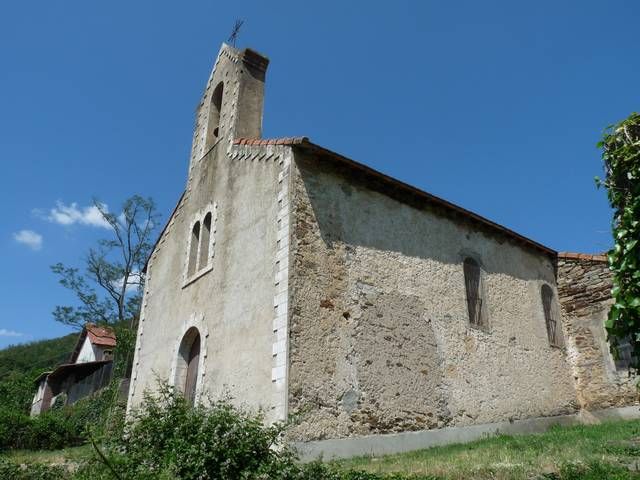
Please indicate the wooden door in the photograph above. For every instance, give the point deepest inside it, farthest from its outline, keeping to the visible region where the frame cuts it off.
(192, 371)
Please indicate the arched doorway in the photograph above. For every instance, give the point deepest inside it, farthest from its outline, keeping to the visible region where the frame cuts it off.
(188, 361)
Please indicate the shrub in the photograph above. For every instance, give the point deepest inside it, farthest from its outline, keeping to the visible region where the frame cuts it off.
(59, 427)
(9, 470)
(169, 439)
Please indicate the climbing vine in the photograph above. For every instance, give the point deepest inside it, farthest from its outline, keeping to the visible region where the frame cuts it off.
(620, 146)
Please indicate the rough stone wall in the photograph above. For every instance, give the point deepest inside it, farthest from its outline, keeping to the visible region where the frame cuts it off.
(379, 334)
(584, 288)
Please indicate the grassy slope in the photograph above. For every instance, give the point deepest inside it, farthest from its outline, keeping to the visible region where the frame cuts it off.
(49, 457)
(21, 364)
(498, 458)
(516, 458)
(44, 354)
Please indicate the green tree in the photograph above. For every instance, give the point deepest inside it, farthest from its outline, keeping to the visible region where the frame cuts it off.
(110, 289)
(621, 155)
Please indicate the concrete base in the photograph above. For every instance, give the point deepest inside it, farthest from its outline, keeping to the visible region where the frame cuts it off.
(375, 445)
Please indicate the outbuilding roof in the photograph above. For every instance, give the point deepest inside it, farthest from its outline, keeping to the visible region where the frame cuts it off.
(103, 336)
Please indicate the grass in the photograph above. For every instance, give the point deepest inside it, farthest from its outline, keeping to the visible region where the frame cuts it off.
(595, 452)
(604, 448)
(71, 455)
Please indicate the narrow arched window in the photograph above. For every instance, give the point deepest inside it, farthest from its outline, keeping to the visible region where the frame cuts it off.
(554, 331)
(193, 249)
(473, 287)
(215, 108)
(205, 238)
(188, 361)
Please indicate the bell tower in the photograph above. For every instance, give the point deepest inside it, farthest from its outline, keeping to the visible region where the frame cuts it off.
(232, 104)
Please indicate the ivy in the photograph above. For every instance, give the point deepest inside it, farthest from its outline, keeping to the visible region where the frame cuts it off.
(620, 146)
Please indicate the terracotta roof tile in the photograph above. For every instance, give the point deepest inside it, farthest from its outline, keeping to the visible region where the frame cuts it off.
(101, 335)
(259, 142)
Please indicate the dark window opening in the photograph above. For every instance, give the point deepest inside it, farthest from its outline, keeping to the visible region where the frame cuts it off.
(473, 287)
(205, 239)
(623, 358)
(188, 363)
(215, 109)
(554, 330)
(193, 249)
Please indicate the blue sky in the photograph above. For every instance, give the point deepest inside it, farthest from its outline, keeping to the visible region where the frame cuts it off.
(493, 105)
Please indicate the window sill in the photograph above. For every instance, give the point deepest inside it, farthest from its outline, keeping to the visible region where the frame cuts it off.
(197, 275)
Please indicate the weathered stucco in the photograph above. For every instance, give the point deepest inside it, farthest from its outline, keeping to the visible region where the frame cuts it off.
(584, 286)
(380, 339)
(231, 301)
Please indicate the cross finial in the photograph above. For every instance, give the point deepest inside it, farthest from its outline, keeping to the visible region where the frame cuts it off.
(234, 33)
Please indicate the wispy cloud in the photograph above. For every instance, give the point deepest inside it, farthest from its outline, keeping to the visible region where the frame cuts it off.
(29, 238)
(71, 214)
(134, 281)
(9, 333)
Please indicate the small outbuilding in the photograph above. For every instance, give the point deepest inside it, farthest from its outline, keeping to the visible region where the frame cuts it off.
(88, 370)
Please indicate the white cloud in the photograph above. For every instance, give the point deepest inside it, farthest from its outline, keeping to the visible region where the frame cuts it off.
(9, 333)
(29, 238)
(70, 214)
(135, 279)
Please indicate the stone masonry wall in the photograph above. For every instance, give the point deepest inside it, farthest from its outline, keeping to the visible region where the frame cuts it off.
(584, 289)
(380, 339)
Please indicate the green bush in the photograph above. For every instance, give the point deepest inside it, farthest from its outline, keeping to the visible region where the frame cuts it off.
(168, 439)
(11, 471)
(59, 427)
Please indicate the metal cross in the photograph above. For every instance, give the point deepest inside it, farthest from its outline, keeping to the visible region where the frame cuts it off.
(234, 33)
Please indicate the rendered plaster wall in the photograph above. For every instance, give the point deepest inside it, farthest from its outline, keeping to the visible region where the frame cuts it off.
(88, 352)
(231, 300)
(379, 334)
(584, 286)
(232, 304)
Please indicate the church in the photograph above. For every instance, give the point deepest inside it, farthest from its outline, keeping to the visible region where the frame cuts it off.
(383, 318)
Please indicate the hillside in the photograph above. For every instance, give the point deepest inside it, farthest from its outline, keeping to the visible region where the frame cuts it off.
(40, 355)
(21, 364)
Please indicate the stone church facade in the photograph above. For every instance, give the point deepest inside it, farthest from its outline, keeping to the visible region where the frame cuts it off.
(302, 282)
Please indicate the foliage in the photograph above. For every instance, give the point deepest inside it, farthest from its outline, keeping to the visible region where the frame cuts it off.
(593, 471)
(621, 155)
(59, 427)
(32, 471)
(112, 269)
(35, 356)
(168, 439)
(564, 453)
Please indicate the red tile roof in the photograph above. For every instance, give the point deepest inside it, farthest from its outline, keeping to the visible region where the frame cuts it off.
(101, 335)
(262, 142)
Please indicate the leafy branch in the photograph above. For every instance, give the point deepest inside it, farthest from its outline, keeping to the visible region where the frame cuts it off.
(110, 289)
(621, 156)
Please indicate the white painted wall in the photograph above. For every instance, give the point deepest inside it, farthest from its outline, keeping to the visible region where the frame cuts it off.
(88, 352)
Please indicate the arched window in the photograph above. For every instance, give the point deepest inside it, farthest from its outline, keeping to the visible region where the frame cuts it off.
(215, 107)
(205, 238)
(193, 249)
(186, 379)
(473, 287)
(554, 331)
